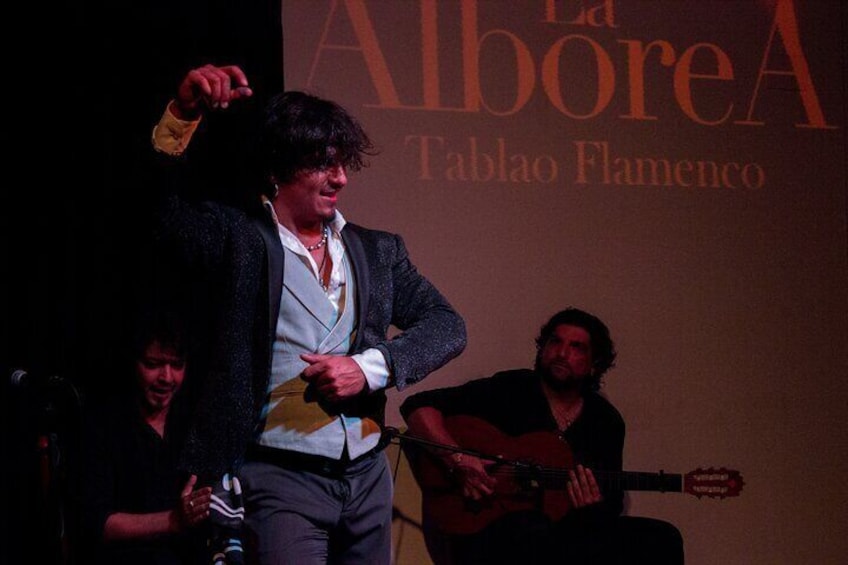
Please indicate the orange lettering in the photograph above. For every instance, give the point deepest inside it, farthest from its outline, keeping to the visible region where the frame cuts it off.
(601, 15)
(368, 45)
(786, 25)
(551, 78)
(683, 76)
(636, 56)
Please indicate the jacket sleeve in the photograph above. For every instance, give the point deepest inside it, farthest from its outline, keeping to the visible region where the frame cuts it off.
(431, 331)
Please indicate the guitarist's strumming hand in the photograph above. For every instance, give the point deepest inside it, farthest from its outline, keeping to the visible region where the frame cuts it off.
(469, 472)
(582, 488)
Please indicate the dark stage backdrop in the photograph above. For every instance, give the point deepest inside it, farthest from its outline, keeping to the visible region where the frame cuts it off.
(677, 167)
(92, 79)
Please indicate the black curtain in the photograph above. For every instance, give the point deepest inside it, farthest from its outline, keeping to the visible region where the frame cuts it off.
(86, 82)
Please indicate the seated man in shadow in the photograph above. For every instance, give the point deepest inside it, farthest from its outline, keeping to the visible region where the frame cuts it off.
(557, 510)
(133, 504)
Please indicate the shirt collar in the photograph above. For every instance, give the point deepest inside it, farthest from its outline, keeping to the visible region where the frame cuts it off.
(336, 224)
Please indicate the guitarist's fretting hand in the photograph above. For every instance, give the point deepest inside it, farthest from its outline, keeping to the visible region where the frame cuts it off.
(470, 473)
(582, 488)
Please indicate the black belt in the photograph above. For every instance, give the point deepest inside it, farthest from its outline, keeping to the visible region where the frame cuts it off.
(298, 461)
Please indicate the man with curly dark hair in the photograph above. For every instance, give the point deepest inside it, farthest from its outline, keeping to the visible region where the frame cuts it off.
(298, 357)
(482, 504)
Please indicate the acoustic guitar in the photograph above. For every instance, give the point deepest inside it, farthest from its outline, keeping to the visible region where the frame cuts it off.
(532, 473)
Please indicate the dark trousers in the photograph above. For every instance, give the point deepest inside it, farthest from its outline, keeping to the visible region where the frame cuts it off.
(318, 514)
(529, 537)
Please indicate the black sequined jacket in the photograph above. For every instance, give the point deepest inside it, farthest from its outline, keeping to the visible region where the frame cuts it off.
(239, 257)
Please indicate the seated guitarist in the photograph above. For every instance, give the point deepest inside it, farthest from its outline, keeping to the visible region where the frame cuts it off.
(505, 513)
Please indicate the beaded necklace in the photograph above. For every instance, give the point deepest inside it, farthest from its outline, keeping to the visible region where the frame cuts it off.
(321, 243)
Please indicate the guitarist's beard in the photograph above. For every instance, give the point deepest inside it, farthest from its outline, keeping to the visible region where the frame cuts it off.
(571, 382)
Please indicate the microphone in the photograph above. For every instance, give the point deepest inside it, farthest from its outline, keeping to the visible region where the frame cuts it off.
(56, 398)
(23, 380)
(389, 433)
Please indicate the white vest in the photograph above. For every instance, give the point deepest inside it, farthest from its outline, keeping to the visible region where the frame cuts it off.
(308, 323)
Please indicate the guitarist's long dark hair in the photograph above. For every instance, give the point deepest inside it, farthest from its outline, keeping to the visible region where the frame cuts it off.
(603, 348)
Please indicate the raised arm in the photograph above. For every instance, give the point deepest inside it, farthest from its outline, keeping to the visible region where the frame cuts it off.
(201, 90)
(209, 87)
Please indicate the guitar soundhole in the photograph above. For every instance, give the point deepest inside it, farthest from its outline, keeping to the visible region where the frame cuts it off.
(527, 480)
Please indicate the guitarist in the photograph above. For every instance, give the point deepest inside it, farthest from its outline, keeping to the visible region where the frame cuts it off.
(559, 397)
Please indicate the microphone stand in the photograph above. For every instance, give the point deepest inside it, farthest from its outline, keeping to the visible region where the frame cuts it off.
(402, 437)
(49, 412)
(405, 439)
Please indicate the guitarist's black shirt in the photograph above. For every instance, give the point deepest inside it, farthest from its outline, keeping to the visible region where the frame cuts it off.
(513, 402)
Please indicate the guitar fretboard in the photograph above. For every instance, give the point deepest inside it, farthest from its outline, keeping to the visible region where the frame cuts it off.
(551, 478)
(637, 480)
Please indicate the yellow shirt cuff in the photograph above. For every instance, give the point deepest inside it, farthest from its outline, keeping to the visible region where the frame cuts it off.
(172, 135)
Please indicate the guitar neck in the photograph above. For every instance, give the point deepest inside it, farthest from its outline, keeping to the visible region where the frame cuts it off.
(637, 480)
(554, 479)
